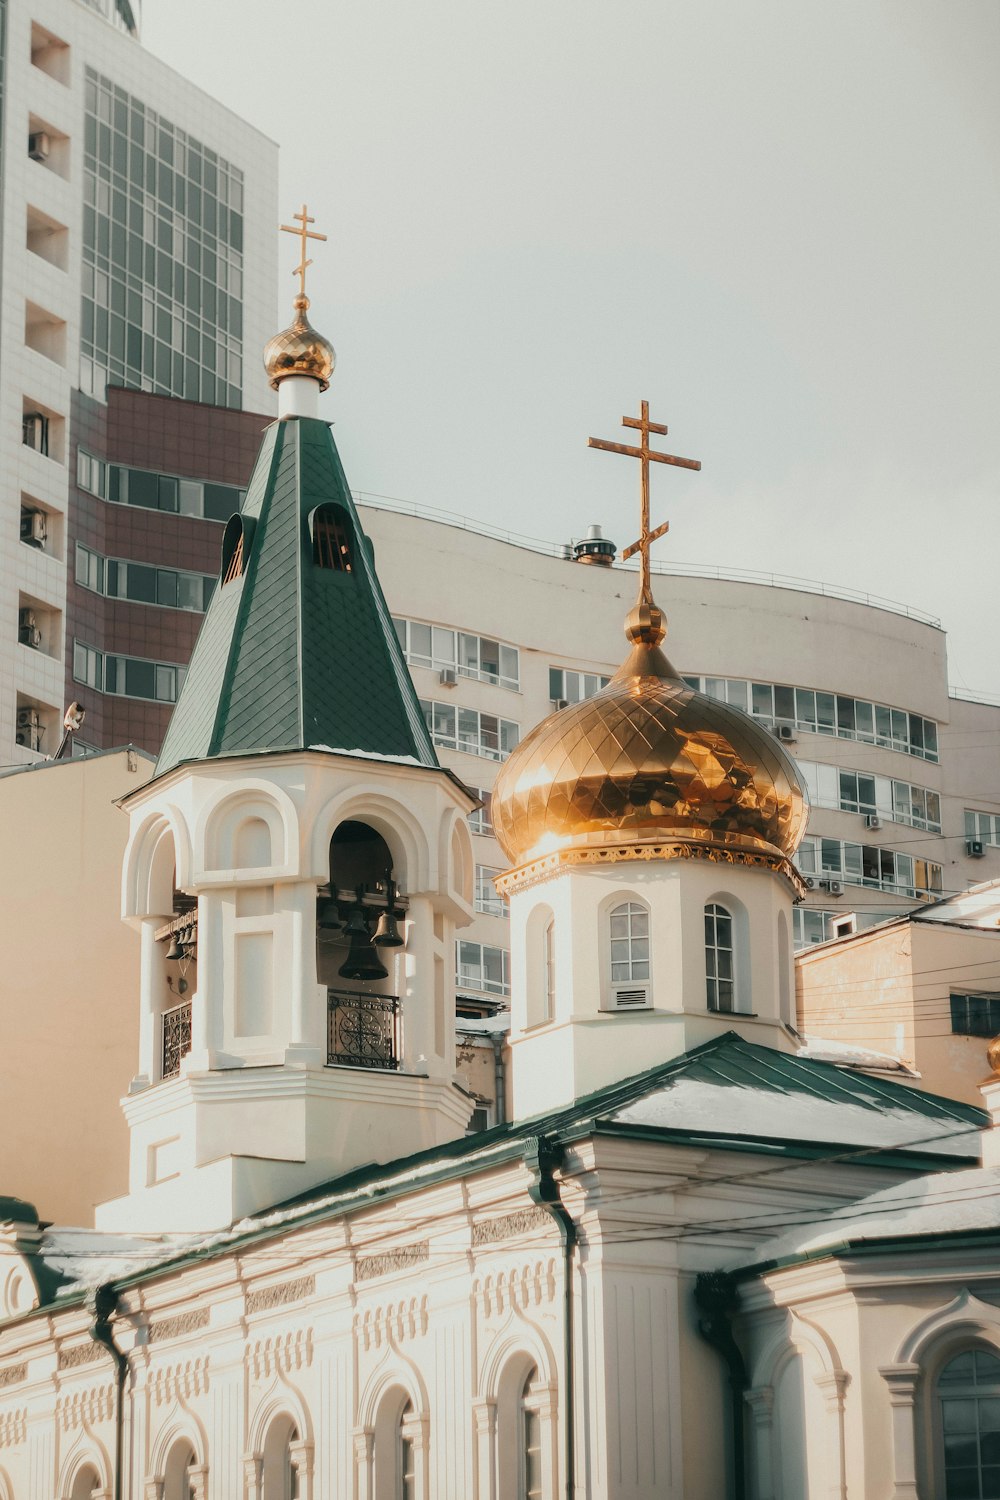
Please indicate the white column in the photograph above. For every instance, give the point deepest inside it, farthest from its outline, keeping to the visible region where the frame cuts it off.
(545, 1400)
(301, 1456)
(198, 1481)
(307, 1018)
(484, 1410)
(150, 982)
(206, 1002)
(902, 1382)
(364, 1461)
(417, 999)
(253, 1476)
(834, 1387)
(760, 1400)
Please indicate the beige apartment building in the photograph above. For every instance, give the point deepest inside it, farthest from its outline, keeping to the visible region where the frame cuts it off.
(903, 774)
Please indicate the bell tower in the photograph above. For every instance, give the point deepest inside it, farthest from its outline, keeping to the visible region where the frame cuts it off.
(297, 867)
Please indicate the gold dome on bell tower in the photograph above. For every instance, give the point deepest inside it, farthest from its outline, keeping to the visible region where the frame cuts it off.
(299, 349)
(648, 768)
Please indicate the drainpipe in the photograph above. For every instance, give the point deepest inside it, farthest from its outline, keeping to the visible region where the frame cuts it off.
(543, 1155)
(102, 1304)
(499, 1084)
(717, 1299)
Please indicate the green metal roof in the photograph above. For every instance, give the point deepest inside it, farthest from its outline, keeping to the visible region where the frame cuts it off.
(292, 655)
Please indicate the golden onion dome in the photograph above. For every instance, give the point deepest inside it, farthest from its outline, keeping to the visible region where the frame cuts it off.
(648, 768)
(299, 350)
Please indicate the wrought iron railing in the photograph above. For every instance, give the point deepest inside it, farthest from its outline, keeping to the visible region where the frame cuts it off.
(362, 1030)
(176, 1038)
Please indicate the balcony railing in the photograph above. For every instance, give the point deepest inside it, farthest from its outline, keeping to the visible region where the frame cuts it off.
(362, 1030)
(176, 1038)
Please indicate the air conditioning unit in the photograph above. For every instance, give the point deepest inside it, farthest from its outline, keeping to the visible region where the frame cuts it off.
(629, 997)
(28, 632)
(33, 528)
(975, 848)
(448, 677)
(835, 887)
(558, 703)
(784, 730)
(809, 881)
(39, 145)
(29, 728)
(35, 431)
(872, 820)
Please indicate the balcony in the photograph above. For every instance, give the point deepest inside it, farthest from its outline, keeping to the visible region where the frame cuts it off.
(363, 1031)
(176, 1039)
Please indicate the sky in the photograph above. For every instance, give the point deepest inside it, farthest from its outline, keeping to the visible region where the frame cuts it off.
(778, 222)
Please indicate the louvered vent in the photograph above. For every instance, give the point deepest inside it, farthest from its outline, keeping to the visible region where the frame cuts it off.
(629, 997)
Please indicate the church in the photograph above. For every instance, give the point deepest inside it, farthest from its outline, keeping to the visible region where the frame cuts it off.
(695, 1263)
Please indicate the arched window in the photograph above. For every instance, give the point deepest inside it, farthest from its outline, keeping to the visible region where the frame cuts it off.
(178, 1481)
(968, 1402)
(549, 974)
(629, 943)
(86, 1483)
(406, 1457)
(719, 958)
(530, 1442)
(236, 541)
(331, 542)
(280, 1471)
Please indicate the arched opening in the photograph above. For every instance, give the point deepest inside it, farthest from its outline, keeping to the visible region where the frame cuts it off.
(236, 541)
(360, 920)
(398, 1450)
(279, 1471)
(86, 1484)
(524, 1433)
(332, 539)
(540, 946)
(176, 965)
(178, 1475)
(968, 1423)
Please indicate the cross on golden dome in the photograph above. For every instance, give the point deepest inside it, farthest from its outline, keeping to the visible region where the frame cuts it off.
(646, 455)
(305, 234)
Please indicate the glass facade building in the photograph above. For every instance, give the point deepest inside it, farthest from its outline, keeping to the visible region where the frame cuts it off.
(162, 295)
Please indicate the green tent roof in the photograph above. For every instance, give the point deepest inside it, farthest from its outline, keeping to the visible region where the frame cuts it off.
(293, 655)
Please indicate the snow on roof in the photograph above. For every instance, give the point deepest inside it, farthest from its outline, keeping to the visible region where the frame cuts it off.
(698, 1104)
(395, 760)
(850, 1055)
(497, 1025)
(941, 1204)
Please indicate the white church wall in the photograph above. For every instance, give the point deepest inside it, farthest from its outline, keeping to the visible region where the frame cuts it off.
(587, 1043)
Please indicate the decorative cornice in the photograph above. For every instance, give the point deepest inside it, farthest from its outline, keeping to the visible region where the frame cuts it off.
(172, 1328)
(403, 1320)
(506, 1226)
(280, 1353)
(401, 1258)
(13, 1428)
(80, 1354)
(94, 1405)
(174, 1382)
(536, 870)
(13, 1375)
(524, 1286)
(280, 1294)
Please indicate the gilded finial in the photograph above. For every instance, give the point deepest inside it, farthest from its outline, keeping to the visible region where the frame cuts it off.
(993, 1054)
(299, 349)
(645, 624)
(305, 234)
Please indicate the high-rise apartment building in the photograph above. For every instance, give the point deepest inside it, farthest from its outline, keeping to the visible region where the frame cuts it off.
(138, 263)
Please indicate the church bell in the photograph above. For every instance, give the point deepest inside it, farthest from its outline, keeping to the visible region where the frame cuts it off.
(362, 961)
(387, 934)
(329, 918)
(175, 952)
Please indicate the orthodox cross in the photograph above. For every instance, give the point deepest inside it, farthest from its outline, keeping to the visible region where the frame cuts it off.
(645, 454)
(304, 233)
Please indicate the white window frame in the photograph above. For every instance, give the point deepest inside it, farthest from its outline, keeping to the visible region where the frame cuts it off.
(470, 971)
(715, 950)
